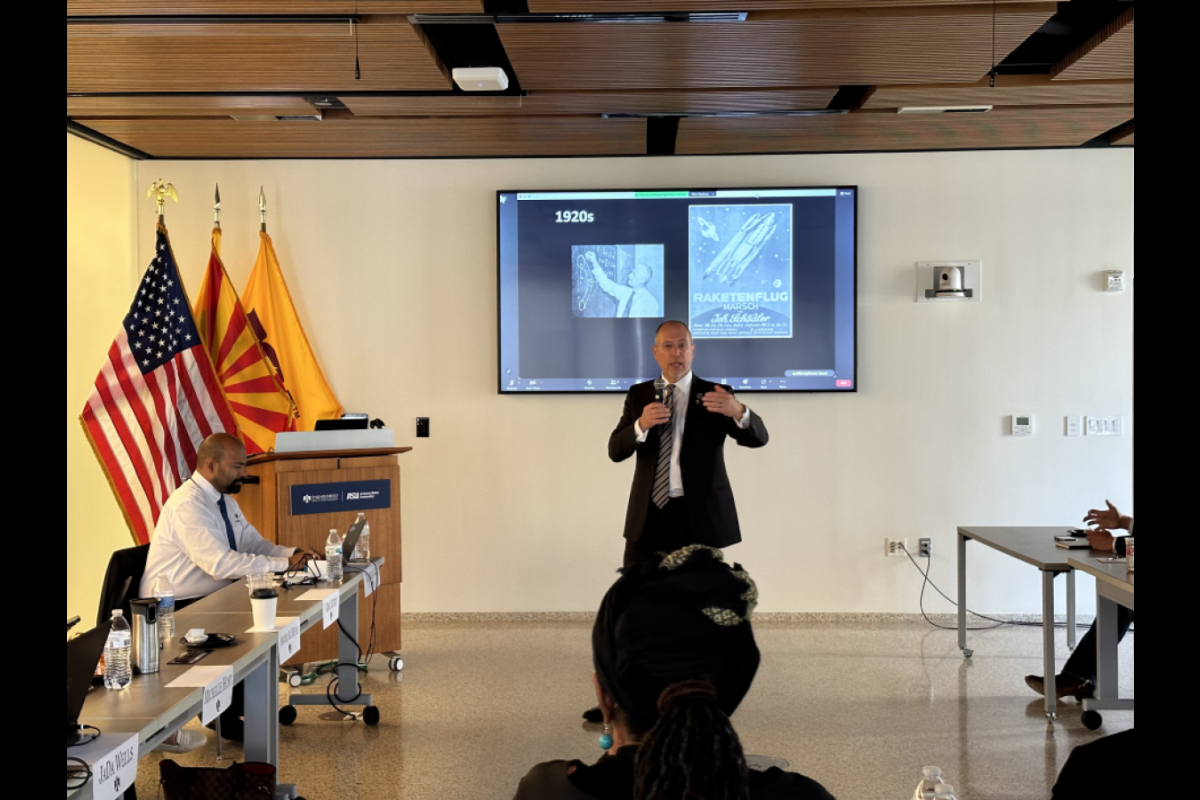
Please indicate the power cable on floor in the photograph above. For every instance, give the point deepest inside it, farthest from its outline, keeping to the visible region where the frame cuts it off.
(929, 582)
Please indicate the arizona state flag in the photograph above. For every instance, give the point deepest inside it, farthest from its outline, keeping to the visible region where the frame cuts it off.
(274, 318)
(260, 405)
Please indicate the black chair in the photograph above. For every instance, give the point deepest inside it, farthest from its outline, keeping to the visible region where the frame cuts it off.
(122, 582)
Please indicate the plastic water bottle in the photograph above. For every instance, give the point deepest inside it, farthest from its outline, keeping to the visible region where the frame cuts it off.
(944, 792)
(118, 672)
(927, 790)
(362, 550)
(333, 556)
(165, 593)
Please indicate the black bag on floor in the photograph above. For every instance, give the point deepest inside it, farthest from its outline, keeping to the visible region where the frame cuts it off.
(239, 782)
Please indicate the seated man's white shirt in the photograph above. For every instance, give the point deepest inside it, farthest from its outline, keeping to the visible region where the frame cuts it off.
(190, 545)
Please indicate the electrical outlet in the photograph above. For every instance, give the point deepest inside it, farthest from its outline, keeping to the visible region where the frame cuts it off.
(895, 548)
(927, 548)
(422, 427)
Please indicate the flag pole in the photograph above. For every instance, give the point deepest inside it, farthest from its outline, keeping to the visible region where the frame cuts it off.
(262, 208)
(217, 209)
(159, 192)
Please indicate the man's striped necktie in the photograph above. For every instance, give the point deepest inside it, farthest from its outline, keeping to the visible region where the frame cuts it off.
(666, 450)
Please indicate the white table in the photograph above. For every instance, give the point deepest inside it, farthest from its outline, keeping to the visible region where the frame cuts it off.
(153, 712)
(1036, 547)
(1114, 590)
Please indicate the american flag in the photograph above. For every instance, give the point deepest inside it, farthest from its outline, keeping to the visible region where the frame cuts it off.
(156, 398)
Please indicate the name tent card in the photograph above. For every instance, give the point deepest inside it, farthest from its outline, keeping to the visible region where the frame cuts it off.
(218, 689)
(289, 640)
(116, 771)
(289, 637)
(370, 580)
(331, 604)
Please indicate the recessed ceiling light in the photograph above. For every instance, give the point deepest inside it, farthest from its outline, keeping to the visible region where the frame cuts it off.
(485, 79)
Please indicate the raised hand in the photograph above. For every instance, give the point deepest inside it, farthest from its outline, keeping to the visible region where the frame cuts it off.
(1109, 520)
(724, 403)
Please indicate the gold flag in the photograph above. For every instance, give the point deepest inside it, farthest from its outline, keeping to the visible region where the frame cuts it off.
(273, 316)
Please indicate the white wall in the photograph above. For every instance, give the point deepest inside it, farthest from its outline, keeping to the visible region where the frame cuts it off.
(393, 266)
(101, 279)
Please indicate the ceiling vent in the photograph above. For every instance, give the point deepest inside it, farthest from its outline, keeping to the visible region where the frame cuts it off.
(268, 118)
(586, 19)
(946, 110)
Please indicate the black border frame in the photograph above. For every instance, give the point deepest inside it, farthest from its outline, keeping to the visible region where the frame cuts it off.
(500, 300)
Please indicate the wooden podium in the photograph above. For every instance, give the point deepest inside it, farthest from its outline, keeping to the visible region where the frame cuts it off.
(269, 508)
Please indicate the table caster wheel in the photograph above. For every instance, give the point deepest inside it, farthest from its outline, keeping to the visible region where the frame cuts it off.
(371, 717)
(968, 653)
(287, 716)
(396, 664)
(1093, 721)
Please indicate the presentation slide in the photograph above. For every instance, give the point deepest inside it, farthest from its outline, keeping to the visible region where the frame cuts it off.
(765, 279)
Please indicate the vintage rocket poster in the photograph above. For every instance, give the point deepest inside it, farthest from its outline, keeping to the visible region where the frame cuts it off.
(741, 272)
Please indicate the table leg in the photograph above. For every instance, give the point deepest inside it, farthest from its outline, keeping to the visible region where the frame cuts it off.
(262, 712)
(347, 652)
(1108, 685)
(962, 596)
(1051, 660)
(1072, 613)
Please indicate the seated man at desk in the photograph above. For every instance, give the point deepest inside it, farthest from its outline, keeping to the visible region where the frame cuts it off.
(1079, 676)
(203, 542)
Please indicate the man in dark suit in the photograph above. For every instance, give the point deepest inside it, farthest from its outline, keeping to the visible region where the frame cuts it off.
(681, 491)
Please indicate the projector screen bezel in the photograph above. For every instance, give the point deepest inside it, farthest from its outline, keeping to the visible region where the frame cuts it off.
(500, 377)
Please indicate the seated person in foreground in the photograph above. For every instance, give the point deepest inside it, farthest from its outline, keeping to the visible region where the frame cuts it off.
(203, 543)
(1079, 676)
(675, 656)
(1101, 769)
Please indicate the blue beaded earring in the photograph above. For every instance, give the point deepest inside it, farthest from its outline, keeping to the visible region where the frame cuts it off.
(606, 741)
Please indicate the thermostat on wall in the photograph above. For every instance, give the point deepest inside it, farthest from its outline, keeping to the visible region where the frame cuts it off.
(1022, 425)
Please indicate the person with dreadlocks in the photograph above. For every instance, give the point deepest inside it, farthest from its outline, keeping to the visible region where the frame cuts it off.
(675, 656)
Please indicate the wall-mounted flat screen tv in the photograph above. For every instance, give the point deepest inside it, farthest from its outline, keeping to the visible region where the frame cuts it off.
(765, 278)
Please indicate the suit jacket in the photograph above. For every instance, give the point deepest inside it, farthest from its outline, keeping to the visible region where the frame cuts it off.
(706, 486)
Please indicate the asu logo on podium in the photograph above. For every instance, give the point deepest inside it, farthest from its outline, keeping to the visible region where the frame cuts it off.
(336, 498)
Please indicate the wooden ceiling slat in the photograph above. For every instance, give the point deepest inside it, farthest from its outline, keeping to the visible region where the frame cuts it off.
(1106, 56)
(185, 106)
(215, 58)
(596, 103)
(1006, 128)
(1124, 136)
(1011, 90)
(134, 8)
(393, 138)
(650, 6)
(911, 46)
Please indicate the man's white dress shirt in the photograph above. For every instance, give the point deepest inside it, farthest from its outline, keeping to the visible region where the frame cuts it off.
(191, 547)
(683, 402)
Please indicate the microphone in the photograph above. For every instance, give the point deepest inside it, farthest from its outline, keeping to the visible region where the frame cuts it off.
(71, 623)
(660, 390)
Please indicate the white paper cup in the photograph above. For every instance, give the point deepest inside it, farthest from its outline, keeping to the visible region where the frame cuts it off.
(196, 636)
(264, 613)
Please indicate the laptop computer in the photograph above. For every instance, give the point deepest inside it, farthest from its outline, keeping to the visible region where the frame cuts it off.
(83, 655)
(351, 541)
(343, 424)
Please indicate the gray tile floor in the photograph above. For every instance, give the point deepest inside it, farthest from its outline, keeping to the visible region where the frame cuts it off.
(860, 708)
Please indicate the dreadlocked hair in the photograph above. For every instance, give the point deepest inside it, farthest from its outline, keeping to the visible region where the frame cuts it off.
(693, 752)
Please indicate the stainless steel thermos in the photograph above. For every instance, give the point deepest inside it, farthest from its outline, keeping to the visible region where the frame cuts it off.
(147, 649)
